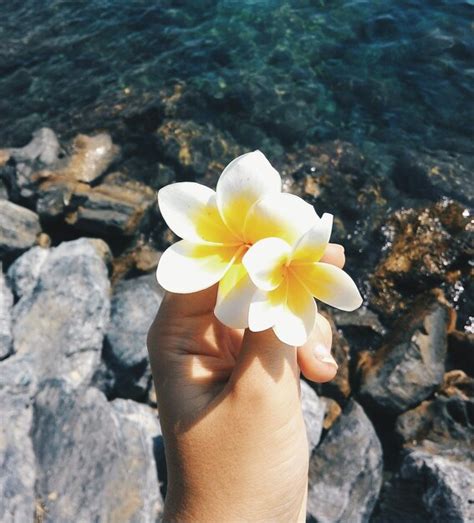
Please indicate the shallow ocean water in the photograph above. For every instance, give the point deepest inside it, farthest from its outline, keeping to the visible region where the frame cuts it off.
(380, 72)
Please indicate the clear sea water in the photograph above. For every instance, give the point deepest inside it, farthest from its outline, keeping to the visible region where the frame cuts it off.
(378, 71)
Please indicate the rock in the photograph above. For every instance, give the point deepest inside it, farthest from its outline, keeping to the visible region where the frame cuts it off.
(314, 410)
(43, 151)
(110, 445)
(427, 248)
(361, 328)
(19, 228)
(333, 411)
(435, 175)
(118, 206)
(60, 324)
(6, 302)
(197, 150)
(461, 350)
(24, 272)
(410, 365)
(446, 421)
(91, 157)
(444, 480)
(134, 306)
(54, 195)
(17, 460)
(3, 190)
(458, 383)
(345, 472)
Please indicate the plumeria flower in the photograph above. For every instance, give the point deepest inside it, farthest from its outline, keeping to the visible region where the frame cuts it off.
(218, 227)
(290, 277)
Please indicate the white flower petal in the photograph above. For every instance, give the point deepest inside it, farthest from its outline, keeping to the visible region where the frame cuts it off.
(311, 246)
(187, 267)
(233, 297)
(295, 321)
(266, 262)
(244, 181)
(283, 215)
(330, 284)
(190, 211)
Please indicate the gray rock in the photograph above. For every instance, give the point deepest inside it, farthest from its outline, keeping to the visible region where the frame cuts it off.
(19, 228)
(95, 459)
(24, 272)
(313, 413)
(6, 302)
(444, 479)
(345, 471)
(134, 306)
(61, 323)
(17, 460)
(410, 365)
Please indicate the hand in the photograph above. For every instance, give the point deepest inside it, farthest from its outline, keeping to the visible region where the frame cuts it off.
(229, 405)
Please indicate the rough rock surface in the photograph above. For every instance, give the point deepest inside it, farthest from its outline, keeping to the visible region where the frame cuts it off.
(411, 363)
(427, 248)
(19, 228)
(111, 444)
(314, 409)
(190, 146)
(60, 324)
(6, 302)
(24, 272)
(17, 460)
(41, 152)
(343, 486)
(133, 308)
(115, 207)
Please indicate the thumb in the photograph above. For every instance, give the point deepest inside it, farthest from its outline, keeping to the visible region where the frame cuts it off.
(266, 367)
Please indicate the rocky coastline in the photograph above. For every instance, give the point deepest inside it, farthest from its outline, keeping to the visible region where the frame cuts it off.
(80, 236)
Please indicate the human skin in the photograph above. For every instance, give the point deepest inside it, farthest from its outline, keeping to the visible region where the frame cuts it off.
(230, 411)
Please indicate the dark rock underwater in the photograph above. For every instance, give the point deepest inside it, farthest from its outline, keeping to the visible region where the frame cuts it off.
(364, 110)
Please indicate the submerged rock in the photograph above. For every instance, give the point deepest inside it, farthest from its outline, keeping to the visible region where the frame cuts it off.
(197, 150)
(345, 472)
(410, 364)
(428, 247)
(17, 460)
(111, 444)
(314, 409)
(135, 303)
(61, 322)
(6, 302)
(19, 228)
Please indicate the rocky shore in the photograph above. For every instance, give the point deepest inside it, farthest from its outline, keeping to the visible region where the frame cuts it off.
(80, 236)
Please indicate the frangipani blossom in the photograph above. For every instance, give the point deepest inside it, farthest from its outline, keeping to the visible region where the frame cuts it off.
(288, 279)
(218, 227)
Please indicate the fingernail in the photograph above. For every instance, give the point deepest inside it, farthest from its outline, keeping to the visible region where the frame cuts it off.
(322, 353)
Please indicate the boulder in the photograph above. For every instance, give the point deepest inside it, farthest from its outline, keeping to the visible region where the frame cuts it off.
(96, 459)
(135, 303)
(19, 228)
(24, 272)
(314, 409)
(17, 460)
(410, 365)
(23, 163)
(117, 207)
(6, 303)
(345, 472)
(61, 322)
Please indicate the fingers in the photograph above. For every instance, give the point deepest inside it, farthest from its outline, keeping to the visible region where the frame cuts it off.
(314, 357)
(193, 304)
(334, 255)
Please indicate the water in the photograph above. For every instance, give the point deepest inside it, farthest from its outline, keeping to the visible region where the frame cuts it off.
(378, 72)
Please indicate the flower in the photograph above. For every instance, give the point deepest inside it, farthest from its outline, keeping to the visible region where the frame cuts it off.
(288, 277)
(218, 227)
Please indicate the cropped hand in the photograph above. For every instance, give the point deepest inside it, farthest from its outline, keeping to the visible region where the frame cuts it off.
(229, 406)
